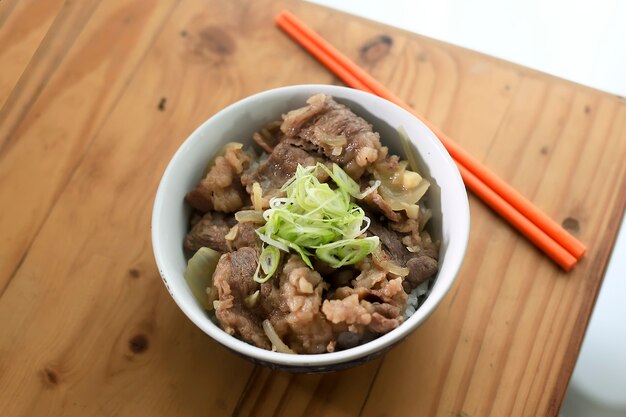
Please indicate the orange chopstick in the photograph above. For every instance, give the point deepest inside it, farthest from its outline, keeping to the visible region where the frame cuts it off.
(323, 57)
(506, 201)
(555, 251)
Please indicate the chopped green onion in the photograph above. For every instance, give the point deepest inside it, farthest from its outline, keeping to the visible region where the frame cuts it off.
(316, 219)
(346, 252)
(344, 181)
(269, 259)
(268, 263)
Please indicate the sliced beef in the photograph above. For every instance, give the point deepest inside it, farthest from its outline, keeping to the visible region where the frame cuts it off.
(349, 310)
(376, 202)
(421, 268)
(385, 318)
(374, 285)
(347, 340)
(340, 277)
(294, 306)
(233, 281)
(246, 237)
(302, 144)
(390, 240)
(422, 265)
(269, 136)
(260, 140)
(294, 120)
(373, 304)
(277, 169)
(221, 189)
(209, 232)
(334, 130)
(406, 225)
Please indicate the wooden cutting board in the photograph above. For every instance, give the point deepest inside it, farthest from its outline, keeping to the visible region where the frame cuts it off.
(97, 95)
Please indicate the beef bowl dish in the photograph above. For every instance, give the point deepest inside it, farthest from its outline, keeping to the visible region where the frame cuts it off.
(310, 228)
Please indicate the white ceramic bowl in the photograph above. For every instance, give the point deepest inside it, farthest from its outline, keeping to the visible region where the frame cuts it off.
(447, 198)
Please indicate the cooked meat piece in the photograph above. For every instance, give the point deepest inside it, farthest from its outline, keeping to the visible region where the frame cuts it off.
(260, 140)
(387, 163)
(209, 232)
(268, 136)
(277, 169)
(246, 236)
(422, 265)
(195, 218)
(369, 278)
(295, 119)
(323, 268)
(406, 225)
(385, 318)
(378, 287)
(354, 307)
(347, 310)
(391, 241)
(294, 308)
(347, 340)
(221, 190)
(233, 280)
(340, 277)
(421, 268)
(386, 310)
(326, 124)
(375, 201)
(302, 144)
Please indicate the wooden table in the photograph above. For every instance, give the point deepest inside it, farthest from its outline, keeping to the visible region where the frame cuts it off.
(97, 95)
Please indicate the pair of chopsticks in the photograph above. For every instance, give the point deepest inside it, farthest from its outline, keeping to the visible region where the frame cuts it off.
(540, 229)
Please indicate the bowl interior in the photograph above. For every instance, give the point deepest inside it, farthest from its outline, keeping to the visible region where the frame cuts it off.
(446, 197)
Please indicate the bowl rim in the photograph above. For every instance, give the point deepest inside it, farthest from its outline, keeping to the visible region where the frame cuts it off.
(310, 360)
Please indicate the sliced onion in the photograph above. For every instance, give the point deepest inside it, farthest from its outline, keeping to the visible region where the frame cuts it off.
(396, 269)
(232, 233)
(251, 300)
(328, 139)
(271, 334)
(199, 275)
(397, 197)
(406, 146)
(212, 297)
(412, 211)
(425, 215)
(411, 179)
(381, 259)
(370, 190)
(253, 216)
(257, 196)
(399, 187)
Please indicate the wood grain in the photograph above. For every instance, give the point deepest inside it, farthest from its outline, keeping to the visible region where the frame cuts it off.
(23, 26)
(64, 30)
(106, 93)
(55, 127)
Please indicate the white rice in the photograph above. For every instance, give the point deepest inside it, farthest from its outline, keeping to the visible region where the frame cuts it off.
(414, 299)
